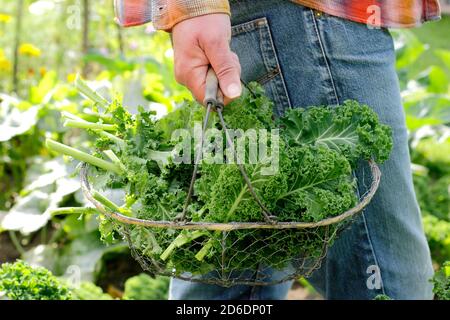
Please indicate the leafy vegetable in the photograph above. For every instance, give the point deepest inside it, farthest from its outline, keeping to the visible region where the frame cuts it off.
(19, 281)
(438, 235)
(143, 287)
(432, 186)
(352, 129)
(305, 174)
(441, 281)
(89, 291)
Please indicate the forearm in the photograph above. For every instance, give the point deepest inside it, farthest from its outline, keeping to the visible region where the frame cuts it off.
(200, 37)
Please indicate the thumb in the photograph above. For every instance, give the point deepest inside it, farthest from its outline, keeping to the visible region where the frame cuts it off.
(227, 68)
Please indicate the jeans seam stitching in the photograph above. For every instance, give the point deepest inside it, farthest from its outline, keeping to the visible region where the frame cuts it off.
(266, 45)
(373, 251)
(322, 49)
(248, 26)
(284, 88)
(366, 228)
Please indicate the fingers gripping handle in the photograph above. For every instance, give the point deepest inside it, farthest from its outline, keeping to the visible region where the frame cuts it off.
(213, 94)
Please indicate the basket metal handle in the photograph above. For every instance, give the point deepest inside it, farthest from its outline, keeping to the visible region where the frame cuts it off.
(214, 100)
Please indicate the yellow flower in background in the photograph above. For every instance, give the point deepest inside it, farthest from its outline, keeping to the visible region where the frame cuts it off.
(42, 71)
(71, 77)
(27, 49)
(5, 18)
(5, 64)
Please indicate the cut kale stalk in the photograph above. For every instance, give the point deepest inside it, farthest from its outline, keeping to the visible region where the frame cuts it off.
(181, 240)
(82, 156)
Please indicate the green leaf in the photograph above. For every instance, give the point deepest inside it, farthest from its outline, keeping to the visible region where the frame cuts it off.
(434, 80)
(424, 108)
(47, 187)
(13, 121)
(319, 185)
(409, 48)
(433, 153)
(441, 281)
(115, 65)
(84, 89)
(144, 287)
(41, 92)
(89, 291)
(20, 281)
(352, 129)
(444, 55)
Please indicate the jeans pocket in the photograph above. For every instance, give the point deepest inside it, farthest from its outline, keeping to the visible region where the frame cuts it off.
(252, 42)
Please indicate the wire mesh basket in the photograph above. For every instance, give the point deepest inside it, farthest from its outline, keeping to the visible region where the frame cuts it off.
(226, 254)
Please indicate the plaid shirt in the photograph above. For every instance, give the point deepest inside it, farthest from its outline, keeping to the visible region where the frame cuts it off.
(386, 13)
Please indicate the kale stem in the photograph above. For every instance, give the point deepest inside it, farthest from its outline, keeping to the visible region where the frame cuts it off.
(82, 156)
(162, 157)
(117, 140)
(89, 93)
(113, 157)
(204, 250)
(182, 239)
(237, 201)
(68, 115)
(73, 210)
(88, 125)
(16, 242)
(111, 137)
(105, 201)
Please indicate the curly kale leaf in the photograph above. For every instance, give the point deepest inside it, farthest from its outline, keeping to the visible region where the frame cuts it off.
(311, 184)
(441, 282)
(184, 117)
(89, 291)
(22, 282)
(319, 185)
(157, 198)
(144, 287)
(229, 198)
(226, 195)
(142, 136)
(352, 129)
(253, 110)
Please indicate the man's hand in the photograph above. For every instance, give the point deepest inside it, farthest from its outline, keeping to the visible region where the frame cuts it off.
(202, 41)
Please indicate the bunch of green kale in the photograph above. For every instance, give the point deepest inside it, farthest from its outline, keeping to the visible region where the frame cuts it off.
(19, 281)
(303, 175)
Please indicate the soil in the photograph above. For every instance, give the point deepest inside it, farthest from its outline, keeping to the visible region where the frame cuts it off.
(8, 252)
(116, 269)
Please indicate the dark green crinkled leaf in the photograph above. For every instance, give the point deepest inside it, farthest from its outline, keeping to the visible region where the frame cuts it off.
(352, 129)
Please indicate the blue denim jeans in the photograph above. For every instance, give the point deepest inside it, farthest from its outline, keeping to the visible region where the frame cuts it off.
(304, 58)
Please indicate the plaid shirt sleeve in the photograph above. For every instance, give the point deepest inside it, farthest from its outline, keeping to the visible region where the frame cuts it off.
(392, 13)
(165, 13)
(379, 13)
